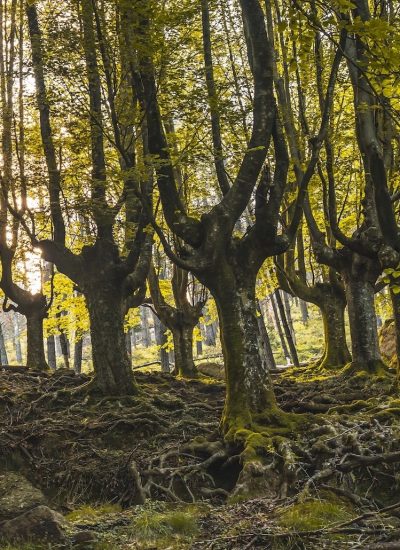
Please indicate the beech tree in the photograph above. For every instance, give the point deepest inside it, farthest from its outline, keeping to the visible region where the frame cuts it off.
(180, 319)
(14, 186)
(228, 264)
(106, 273)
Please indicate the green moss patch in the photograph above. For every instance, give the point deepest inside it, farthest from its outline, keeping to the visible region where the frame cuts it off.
(315, 514)
(89, 513)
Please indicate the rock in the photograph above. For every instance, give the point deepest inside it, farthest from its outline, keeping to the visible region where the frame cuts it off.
(83, 539)
(387, 340)
(17, 495)
(214, 370)
(39, 523)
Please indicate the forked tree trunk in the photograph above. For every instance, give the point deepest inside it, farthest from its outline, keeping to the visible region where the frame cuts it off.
(183, 351)
(360, 296)
(34, 342)
(112, 368)
(248, 385)
(336, 353)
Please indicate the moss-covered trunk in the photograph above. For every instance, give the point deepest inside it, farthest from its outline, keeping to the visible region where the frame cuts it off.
(183, 351)
(336, 352)
(36, 358)
(248, 385)
(112, 368)
(363, 327)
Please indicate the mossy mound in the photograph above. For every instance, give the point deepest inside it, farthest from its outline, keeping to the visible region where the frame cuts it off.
(314, 514)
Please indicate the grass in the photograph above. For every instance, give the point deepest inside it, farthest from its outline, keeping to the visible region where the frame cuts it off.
(315, 514)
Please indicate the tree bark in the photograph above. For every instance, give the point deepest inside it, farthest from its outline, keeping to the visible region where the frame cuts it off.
(112, 368)
(360, 296)
(17, 339)
(78, 351)
(286, 328)
(51, 352)
(248, 385)
(183, 351)
(211, 333)
(395, 299)
(128, 343)
(288, 313)
(34, 342)
(161, 340)
(64, 345)
(336, 352)
(304, 311)
(265, 339)
(146, 338)
(279, 328)
(199, 346)
(3, 351)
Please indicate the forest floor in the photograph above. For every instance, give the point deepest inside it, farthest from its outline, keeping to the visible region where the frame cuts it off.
(151, 471)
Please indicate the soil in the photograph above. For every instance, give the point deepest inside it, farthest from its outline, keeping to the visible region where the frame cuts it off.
(152, 471)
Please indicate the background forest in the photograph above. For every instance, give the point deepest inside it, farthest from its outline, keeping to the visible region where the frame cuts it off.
(200, 274)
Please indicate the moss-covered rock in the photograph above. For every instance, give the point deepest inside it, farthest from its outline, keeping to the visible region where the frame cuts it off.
(17, 495)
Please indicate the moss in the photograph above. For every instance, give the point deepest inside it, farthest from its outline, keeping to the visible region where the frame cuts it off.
(153, 525)
(315, 514)
(364, 370)
(87, 513)
(388, 414)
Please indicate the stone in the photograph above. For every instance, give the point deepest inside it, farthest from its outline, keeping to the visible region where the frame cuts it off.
(40, 523)
(84, 539)
(212, 369)
(17, 495)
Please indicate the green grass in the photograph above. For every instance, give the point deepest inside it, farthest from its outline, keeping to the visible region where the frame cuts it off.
(315, 514)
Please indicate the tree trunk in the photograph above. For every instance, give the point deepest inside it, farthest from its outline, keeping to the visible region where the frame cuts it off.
(128, 343)
(211, 333)
(3, 351)
(288, 313)
(336, 352)
(64, 345)
(286, 328)
(279, 329)
(360, 296)
(161, 340)
(395, 298)
(304, 311)
(146, 339)
(51, 352)
(183, 351)
(199, 343)
(112, 368)
(34, 342)
(248, 385)
(78, 351)
(265, 339)
(17, 340)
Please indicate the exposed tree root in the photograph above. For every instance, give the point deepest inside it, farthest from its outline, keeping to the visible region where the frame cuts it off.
(164, 444)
